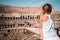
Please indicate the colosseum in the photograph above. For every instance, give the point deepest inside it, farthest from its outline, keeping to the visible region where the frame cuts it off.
(22, 23)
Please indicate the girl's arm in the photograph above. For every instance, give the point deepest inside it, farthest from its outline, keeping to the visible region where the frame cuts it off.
(41, 36)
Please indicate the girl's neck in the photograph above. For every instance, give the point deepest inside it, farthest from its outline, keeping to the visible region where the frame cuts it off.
(45, 13)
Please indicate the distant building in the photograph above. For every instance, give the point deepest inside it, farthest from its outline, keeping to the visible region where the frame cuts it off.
(14, 22)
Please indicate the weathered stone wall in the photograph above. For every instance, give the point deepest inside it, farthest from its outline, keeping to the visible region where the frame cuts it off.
(56, 18)
(11, 16)
(17, 11)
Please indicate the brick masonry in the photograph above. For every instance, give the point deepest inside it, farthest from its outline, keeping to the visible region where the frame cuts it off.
(11, 33)
(29, 10)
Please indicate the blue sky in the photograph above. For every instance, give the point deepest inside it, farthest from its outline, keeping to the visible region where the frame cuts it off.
(32, 3)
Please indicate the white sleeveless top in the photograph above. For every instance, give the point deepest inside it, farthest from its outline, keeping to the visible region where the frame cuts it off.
(48, 28)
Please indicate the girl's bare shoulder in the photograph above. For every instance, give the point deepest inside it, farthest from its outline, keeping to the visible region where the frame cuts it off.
(44, 17)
